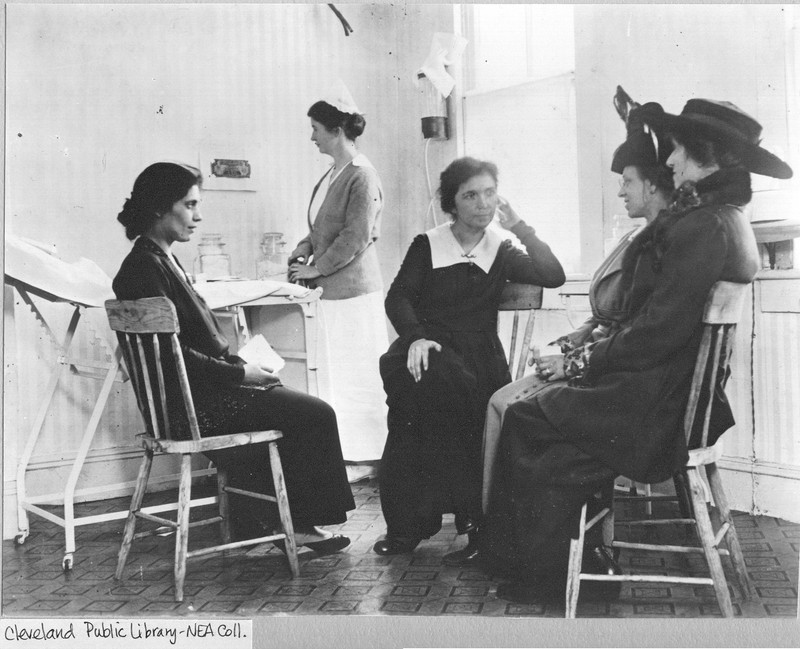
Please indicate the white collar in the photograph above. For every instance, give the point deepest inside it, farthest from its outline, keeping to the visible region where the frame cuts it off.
(360, 160)
(446, 251)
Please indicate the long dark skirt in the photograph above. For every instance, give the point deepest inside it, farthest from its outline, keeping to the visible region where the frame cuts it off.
(311, 457)
(432, 464)
(539, 485)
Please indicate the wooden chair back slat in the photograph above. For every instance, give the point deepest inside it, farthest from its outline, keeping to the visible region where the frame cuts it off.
(519, 298)
(722, 312)
(143, 326)
(132, 367)
(149, 315)
(697, 382)
(711, 383)
(512, 346)
(148, 388)
(525, 348)
(185, 389)
(722, 361)
(162, 389)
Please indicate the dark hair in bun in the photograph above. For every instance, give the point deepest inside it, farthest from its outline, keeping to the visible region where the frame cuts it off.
(352, 124)
(155, 191)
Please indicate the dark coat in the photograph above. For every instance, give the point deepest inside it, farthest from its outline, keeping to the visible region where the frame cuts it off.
(311, 455)
(628, 410)
(148, 272)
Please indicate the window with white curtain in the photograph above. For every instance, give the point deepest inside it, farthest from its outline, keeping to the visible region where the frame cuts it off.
(519, 112)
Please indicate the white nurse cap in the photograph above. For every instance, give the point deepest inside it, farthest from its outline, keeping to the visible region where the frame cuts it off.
(340, 98)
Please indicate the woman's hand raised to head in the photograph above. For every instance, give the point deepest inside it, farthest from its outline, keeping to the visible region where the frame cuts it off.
(418, 356)
(508, 217)
(259, 375)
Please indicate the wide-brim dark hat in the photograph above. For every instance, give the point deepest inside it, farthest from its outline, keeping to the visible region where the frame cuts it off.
(644, 147)
(726, 123)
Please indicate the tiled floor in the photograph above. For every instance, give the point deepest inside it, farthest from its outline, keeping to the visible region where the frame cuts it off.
(355, 582)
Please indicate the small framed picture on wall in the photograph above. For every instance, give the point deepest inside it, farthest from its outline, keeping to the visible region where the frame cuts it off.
(228, 170)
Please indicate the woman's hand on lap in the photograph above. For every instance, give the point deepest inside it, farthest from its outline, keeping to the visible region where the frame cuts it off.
(259, 375)
(418, 356)
(548, 368)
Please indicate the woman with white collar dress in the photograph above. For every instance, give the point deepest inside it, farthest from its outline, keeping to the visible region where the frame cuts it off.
(439, 374)
(339, 255)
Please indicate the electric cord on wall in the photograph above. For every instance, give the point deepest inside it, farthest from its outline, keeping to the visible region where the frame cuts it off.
(432, 199)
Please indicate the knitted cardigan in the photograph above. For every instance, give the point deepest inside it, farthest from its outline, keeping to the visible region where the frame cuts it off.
(344, 232)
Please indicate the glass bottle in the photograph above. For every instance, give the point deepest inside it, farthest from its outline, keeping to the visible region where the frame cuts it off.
(272, 260)
(212, 261)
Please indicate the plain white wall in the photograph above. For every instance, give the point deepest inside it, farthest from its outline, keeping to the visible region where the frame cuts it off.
(97, 92)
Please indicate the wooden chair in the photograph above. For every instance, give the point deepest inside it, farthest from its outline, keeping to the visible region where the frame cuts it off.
(722, 312)
(147, 330)
(522, 299)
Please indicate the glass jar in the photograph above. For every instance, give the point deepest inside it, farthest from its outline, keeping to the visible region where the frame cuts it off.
(272, 259)
(212, 261)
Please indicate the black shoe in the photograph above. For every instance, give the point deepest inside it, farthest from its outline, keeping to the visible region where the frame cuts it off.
(328, 546)
(600, 560)
(465, 524)
(468, 556)
(395, 545)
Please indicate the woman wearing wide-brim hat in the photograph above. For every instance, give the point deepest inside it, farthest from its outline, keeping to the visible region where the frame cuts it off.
(621, 413)
(723, 125)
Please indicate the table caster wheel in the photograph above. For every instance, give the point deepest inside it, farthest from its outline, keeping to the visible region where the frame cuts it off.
(66, 562)
(20, 539)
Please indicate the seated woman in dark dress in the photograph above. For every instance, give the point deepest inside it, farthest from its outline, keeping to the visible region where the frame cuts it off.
(230, 395)
(439, 374)
(622, 410)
